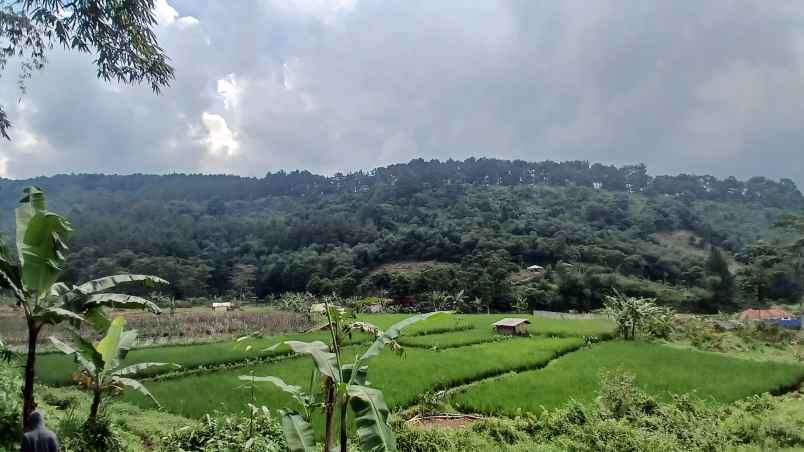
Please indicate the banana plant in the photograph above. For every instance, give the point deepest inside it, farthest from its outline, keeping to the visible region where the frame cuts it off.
(345, 387)
(6, 354)
(32, 278)
(101, 362)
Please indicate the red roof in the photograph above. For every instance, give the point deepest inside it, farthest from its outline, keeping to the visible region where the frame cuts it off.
(764, 314)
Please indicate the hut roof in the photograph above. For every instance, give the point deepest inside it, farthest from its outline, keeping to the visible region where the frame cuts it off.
(764, 314)
(511, 321)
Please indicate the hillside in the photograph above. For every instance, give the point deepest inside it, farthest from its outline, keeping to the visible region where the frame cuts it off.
(481, 220)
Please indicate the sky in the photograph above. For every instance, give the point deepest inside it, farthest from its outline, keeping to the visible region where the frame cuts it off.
(684, 86)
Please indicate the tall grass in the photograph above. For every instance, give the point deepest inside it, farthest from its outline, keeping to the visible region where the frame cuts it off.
(184, 325)
(661, 370)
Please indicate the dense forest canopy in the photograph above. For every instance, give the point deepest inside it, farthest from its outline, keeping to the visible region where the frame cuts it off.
(594, 227)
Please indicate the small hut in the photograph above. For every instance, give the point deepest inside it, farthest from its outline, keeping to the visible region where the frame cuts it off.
(536, 269)
(512, 326)
(222, 307)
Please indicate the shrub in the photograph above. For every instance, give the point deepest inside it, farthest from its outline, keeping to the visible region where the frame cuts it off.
(99, 435)
(259, 432)
(619, 396)
(10, 405)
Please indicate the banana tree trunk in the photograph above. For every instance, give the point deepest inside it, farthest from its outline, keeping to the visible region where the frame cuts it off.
(329, 432)
(28, 404)
(96, 400)
(344, 424)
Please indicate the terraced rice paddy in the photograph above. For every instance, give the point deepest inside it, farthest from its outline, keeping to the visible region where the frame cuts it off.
(56, 369)
(402, 379)
(659, 369)
(459, 352)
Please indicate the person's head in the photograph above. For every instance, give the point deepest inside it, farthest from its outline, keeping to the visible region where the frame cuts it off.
(36, 419)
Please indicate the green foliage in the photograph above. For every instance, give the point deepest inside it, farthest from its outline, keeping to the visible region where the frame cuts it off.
(720, 281)
(402, 380)
(627, 419)
(97, 435)
(121, 36)
(474, 232)
(56, 369)
(642, 315)
(258, 432)
(102, 370)
(660, 370)
(343, 386)
(619, 396)
(40, 247)
(10, 404)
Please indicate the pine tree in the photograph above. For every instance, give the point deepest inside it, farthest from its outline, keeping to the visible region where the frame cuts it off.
(720, 280)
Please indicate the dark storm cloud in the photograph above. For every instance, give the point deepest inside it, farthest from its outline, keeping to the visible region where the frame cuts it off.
(684, 86)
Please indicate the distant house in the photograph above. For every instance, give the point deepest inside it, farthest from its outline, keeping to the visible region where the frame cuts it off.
(512, 326)
(536, 269)
(222, 307)
(406, 301)
(765, 314)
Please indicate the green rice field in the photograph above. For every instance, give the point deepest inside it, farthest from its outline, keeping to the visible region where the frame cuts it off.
(457, 339)
(56, 369)
(490, 373)
(402, 379)
(659, 369)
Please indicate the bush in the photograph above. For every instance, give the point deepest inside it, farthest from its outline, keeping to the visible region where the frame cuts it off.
(79, 435)
(619, 396)
(10, 405)
(258, 433)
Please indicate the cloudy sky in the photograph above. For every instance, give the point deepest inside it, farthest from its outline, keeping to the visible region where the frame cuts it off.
(335, 85)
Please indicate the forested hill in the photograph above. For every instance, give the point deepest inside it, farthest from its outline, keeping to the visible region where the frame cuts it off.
(476, 223)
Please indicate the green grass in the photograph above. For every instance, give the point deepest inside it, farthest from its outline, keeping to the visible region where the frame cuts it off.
(402, 379)
(56, 369)
(661, 370)
(453, 339)
(538, 326)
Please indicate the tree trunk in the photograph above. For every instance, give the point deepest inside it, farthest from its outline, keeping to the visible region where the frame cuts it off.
(29, 405)
(344, 425)
(96, 400)
(329, 432)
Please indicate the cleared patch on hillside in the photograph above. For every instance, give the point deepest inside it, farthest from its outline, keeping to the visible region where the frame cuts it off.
(683, 241)
(405, 266)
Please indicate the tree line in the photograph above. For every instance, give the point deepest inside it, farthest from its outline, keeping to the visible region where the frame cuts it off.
(222, 236)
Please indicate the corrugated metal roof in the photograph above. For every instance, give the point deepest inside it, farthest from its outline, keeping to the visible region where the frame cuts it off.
(511, 321)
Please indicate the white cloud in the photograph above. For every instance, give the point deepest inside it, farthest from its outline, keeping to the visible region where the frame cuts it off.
(229, 90)
(220, 140)
(186, 22)
(167, 15)
(288, 77)
(327, 11)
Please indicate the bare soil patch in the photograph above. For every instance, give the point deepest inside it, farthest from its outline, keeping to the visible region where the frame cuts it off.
(447, 421)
